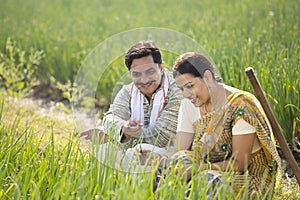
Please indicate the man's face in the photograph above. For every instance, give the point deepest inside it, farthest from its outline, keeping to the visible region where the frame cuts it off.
(146, 75)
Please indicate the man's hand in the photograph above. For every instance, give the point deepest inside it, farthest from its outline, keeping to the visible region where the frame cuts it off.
(132, 128)
(98, 134)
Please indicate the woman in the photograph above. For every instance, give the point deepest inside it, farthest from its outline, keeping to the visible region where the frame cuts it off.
(221, 127)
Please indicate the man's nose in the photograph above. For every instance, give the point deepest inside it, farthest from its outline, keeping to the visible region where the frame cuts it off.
(144, 78)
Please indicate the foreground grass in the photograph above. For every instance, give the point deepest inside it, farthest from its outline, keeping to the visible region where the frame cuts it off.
(41, 159)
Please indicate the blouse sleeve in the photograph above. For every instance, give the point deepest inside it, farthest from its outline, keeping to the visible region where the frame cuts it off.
(242, 127)
(187, 115)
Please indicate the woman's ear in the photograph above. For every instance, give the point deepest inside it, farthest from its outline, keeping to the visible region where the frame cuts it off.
(207, 76)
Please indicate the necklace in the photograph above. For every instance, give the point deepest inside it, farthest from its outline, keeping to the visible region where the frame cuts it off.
(204, 110)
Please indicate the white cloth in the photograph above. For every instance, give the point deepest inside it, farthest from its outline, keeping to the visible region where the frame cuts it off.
(137, 102)
(187, 115)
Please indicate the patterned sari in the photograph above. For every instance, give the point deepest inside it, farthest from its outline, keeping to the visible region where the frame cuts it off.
(213, 142)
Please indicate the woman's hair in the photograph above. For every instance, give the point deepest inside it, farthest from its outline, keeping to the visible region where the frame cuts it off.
(143, 49)
(195, 64)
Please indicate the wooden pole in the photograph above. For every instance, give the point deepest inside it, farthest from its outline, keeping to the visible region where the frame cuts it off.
(274, 124)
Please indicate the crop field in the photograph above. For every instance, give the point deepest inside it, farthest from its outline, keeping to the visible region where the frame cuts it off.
(46, 43)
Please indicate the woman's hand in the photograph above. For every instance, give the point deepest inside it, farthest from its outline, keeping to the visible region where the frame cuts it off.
(186, 172)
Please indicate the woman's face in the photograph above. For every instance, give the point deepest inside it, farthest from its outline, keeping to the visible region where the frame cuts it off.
(193, 88)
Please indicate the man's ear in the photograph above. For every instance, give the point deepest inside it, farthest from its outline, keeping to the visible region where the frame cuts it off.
(162, 65)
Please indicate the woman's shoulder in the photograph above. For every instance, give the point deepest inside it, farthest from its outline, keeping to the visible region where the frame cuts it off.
(237, 94)
(241, 99)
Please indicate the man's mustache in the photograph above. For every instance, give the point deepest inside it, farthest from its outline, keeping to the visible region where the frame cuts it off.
(143, 84)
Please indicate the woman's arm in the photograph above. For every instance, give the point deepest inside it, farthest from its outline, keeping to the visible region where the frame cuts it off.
(184, 140)
(241, 153)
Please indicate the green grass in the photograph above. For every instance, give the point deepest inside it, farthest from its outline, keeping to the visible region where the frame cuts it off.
(43, 160)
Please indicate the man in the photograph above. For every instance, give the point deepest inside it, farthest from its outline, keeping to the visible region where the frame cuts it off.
(146, 110)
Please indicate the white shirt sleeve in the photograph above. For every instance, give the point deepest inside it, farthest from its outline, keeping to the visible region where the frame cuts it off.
(242, 127)
(187, 115)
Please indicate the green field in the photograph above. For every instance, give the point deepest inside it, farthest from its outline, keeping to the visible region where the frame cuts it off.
(46, 42)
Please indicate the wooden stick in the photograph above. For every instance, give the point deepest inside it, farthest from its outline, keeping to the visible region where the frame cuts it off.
(274, 124)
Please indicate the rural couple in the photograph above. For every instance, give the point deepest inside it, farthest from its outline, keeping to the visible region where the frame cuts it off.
(188, 118)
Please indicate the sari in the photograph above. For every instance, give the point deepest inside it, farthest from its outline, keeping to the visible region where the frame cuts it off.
(213, 142)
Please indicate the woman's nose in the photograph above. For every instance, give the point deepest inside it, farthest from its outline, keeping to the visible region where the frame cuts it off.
(186, 93)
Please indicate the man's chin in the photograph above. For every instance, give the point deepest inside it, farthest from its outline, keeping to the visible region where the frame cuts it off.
(147, 91)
